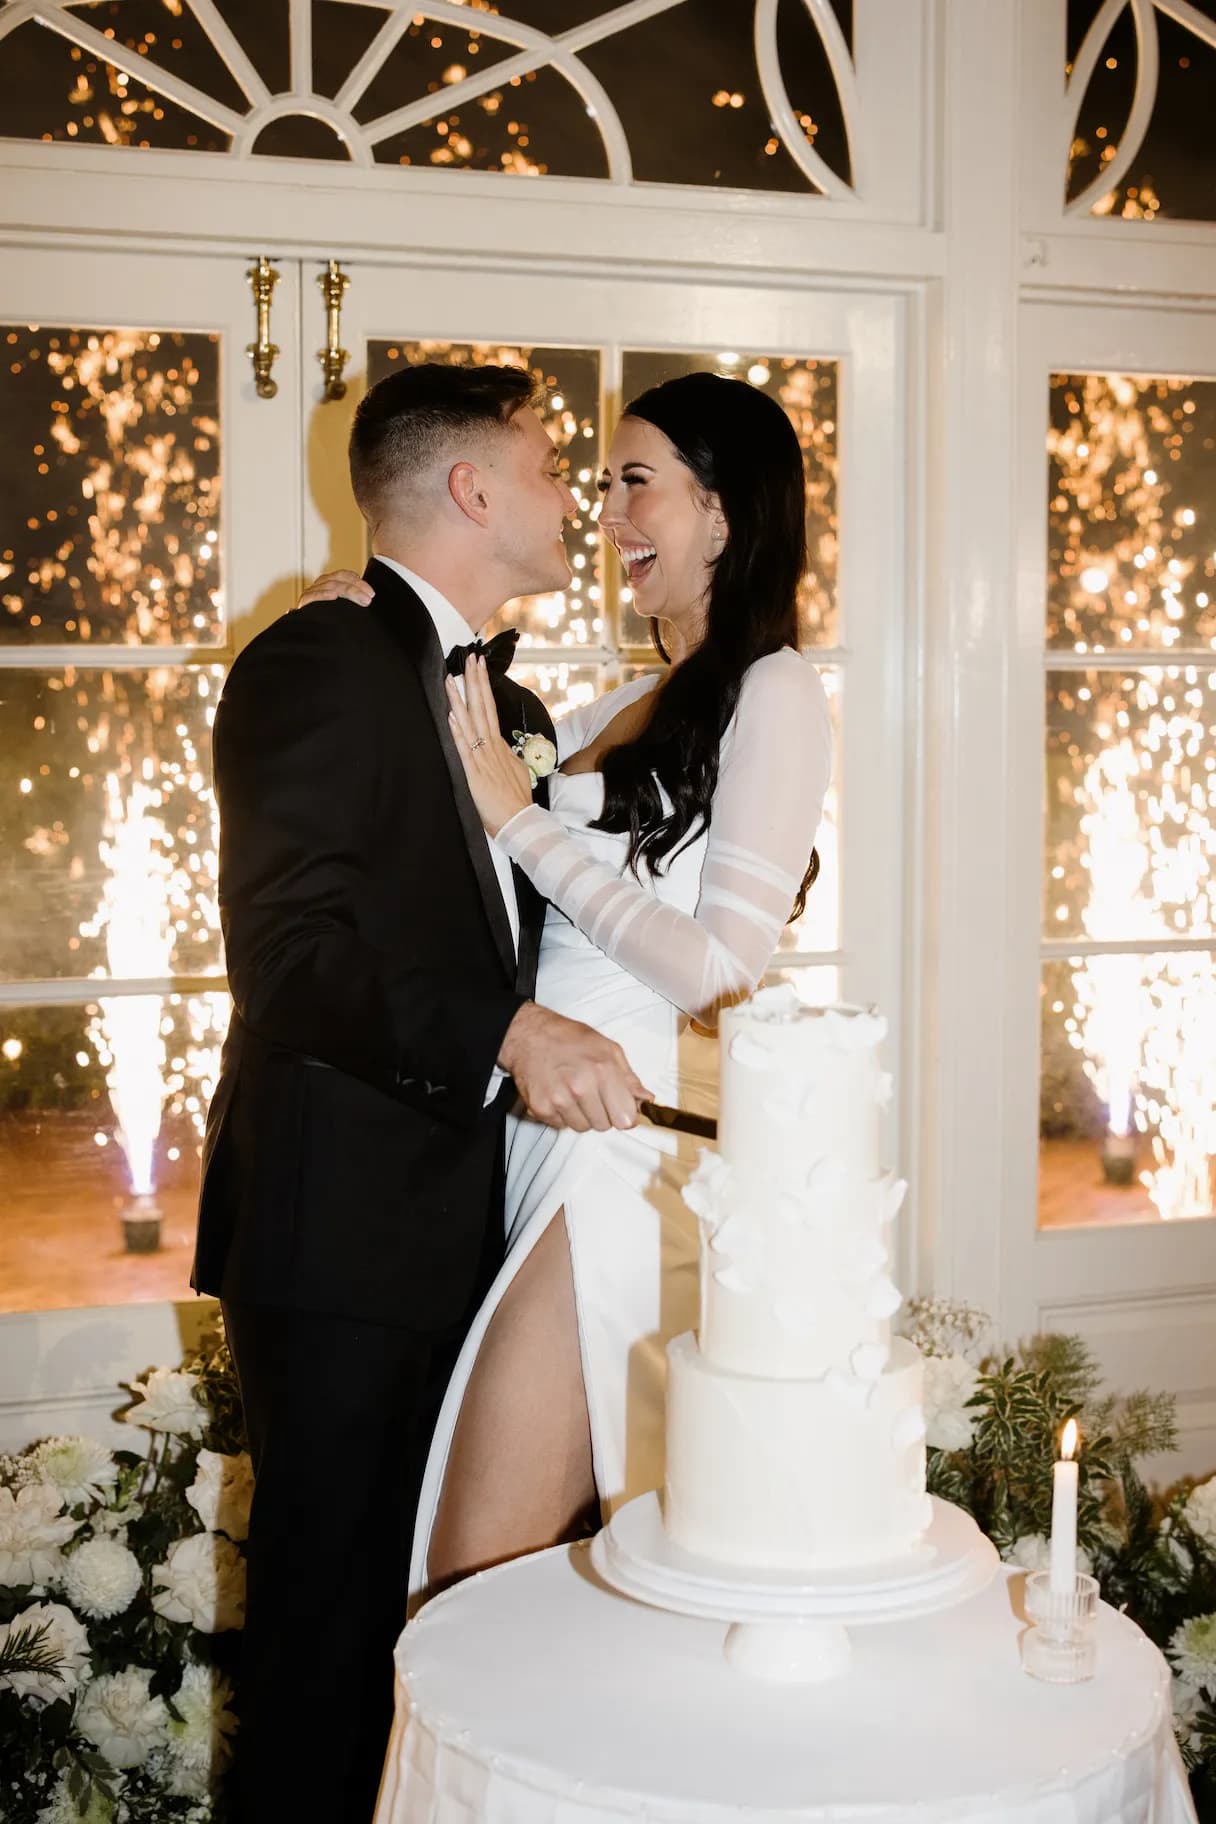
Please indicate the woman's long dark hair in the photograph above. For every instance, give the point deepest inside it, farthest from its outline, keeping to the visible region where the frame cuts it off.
(739, 445)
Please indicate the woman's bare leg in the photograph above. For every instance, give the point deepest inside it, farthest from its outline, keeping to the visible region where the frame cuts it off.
(519, 1474)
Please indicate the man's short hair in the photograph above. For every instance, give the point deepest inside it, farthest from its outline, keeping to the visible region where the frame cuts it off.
(410, 417)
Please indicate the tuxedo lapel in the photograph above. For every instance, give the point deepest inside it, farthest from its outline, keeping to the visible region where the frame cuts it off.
(399, 610)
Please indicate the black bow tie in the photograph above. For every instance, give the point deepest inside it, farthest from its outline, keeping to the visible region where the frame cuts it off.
(497, 653)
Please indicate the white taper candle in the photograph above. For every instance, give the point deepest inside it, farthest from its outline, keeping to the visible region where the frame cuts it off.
(1064, 1515)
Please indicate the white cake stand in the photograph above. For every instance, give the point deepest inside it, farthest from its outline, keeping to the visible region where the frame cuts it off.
(792, 1626)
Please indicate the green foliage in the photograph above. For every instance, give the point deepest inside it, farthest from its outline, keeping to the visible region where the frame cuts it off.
(1148, 1558)
(26, 1650)
(141, 1503)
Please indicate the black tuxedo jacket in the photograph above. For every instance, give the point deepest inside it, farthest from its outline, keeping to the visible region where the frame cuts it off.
(365, 932)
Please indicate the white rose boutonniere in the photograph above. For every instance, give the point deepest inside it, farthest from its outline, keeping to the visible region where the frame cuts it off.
(537, 753)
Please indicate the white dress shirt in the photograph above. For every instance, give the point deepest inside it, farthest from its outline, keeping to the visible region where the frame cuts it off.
(454, 630)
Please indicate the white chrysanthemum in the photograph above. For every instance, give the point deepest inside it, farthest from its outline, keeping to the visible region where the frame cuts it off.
(101, 1578)
(1200, 1511)
(167, 1400)
(198, 1745)
(1032, 1552)
(80, 1468)
(203, 1582)
(950, 1381)
(121, 1718)
(33, 1530)
(63, 1808)
(1192, 1650)
(65, 1638)
(222, 1491)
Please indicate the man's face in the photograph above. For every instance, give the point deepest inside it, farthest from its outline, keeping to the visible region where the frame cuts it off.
(531, 502)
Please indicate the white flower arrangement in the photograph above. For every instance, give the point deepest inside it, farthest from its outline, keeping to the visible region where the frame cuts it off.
(1199, 1511)
(80, 1468)
(950, 1383)
(202, 1582)
(122, 1718)
(167, 1400)
(1192, 1650)
(64, 1638)
(33, 1530)
(993, 1430)
(122, 1587)
(537, 753)
(101, 1578)
(222, 1492)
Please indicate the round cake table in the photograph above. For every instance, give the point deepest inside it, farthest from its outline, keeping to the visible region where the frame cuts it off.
(534, 1694)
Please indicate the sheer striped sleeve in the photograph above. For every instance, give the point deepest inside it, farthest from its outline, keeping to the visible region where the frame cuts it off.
(774, 772)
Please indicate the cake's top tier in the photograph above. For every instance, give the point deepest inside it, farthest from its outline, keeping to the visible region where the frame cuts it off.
(800, 1084)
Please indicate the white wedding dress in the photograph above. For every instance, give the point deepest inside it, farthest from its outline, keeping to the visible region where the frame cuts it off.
(635, 958)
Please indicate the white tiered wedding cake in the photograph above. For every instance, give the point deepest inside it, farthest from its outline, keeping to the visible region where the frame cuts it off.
(795, 1436)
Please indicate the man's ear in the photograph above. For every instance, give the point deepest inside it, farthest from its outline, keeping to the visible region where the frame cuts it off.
(467, 489)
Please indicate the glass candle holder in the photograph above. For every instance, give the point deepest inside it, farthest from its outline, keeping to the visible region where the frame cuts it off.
(1059, 1645)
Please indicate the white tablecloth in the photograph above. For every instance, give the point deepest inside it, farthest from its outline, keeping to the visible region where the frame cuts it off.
(535, 1695)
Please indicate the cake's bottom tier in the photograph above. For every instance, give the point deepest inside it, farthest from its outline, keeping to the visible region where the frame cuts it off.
(794, 1474)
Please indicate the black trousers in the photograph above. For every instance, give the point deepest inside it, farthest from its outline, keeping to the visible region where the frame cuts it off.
(339, 1415)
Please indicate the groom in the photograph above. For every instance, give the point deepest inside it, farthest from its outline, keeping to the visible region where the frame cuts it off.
(381, 954)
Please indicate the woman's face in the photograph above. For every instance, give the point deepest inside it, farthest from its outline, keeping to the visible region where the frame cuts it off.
(666, 529)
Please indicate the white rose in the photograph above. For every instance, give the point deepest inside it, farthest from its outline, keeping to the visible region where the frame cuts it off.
(203, 1582)
(1032, 1552)
(65, 1638)
(950, 1381)
(537, 753)
(121, 1718)
(101, 1578)
(81, 1469)
(1200, 1511)
(198, 1745)
(167, 1400)
(222, 1491)
(33, 1528)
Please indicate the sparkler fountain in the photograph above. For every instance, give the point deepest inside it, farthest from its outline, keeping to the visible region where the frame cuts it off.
(1134, 572)
(127, 1032)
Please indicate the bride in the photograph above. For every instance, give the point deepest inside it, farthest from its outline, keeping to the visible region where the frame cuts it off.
(674, 849)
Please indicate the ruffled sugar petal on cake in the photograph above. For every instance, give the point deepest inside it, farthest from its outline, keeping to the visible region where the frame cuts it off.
(883, 1298)
(704, 1191)
(868, 1360)
(827, 1176)
(729, 1235)
(779, 1001)
(884, 1089)
(908, 1428)
(894, 1190)
(794, 1339)
(751, 1053)
(856, 1031)
(859, 1258)
(795, 1314)
(731, 1280)
(847, 1387)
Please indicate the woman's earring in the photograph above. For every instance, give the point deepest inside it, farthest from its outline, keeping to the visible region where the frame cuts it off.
(657, 641)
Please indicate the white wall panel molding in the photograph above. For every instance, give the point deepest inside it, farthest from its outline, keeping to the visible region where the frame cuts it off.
(63, 1369)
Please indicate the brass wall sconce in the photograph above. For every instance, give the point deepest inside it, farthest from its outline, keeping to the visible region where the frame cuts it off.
(263, 278)
(333, 357)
